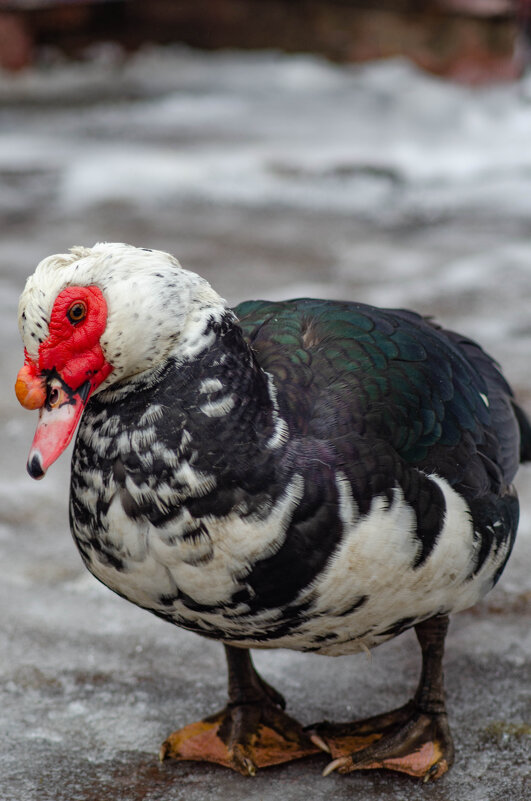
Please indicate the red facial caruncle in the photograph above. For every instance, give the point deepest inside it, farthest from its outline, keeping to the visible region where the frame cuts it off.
(70, 366)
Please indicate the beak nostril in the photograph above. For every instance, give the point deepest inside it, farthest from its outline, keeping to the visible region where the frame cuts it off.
(53, 397)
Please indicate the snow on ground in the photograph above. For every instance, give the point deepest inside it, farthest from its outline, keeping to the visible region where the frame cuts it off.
(273, 176)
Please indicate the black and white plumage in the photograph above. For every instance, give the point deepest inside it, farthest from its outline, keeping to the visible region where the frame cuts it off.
(311, 475)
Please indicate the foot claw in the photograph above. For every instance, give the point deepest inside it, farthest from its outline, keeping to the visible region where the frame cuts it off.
(336, 764)
(320, 743)
(241, 762)
(436, 771)
(250, 767)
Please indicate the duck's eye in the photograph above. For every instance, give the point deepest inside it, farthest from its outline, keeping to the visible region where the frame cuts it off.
(77, 312)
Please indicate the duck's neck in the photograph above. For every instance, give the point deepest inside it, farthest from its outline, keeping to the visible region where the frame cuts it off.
(224, 387)
(216, 403)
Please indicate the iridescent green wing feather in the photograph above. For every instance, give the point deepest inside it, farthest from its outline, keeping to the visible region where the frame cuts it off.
(345, 368)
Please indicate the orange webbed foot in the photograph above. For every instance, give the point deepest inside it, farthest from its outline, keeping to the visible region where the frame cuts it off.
(407, 740)
(244, 738)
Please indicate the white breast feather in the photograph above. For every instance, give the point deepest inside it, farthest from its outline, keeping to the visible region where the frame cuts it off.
(237, 544)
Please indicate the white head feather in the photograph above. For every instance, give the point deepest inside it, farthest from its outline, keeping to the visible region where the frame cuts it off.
(155, 307)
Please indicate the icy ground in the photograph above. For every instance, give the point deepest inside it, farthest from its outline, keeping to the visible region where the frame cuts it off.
(273, 176)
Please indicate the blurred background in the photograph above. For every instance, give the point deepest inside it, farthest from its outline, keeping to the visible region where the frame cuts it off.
(471, 39)
(334, 148)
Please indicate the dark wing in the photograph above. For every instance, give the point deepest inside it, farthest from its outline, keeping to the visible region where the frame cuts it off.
(389, 376)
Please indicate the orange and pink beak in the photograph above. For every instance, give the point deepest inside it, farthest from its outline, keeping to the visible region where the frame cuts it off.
(60, 408)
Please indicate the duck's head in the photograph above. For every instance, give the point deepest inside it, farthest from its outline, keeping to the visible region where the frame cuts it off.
(101, 315)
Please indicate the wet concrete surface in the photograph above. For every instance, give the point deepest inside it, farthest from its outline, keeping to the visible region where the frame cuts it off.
(90, 686)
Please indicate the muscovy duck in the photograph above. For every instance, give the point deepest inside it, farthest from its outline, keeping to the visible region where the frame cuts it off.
(306, 474)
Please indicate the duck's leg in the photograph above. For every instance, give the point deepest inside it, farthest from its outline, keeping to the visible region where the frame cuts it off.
(414, 739)
(251, 732)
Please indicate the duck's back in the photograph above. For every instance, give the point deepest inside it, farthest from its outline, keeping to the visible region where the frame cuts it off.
(390, 376)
